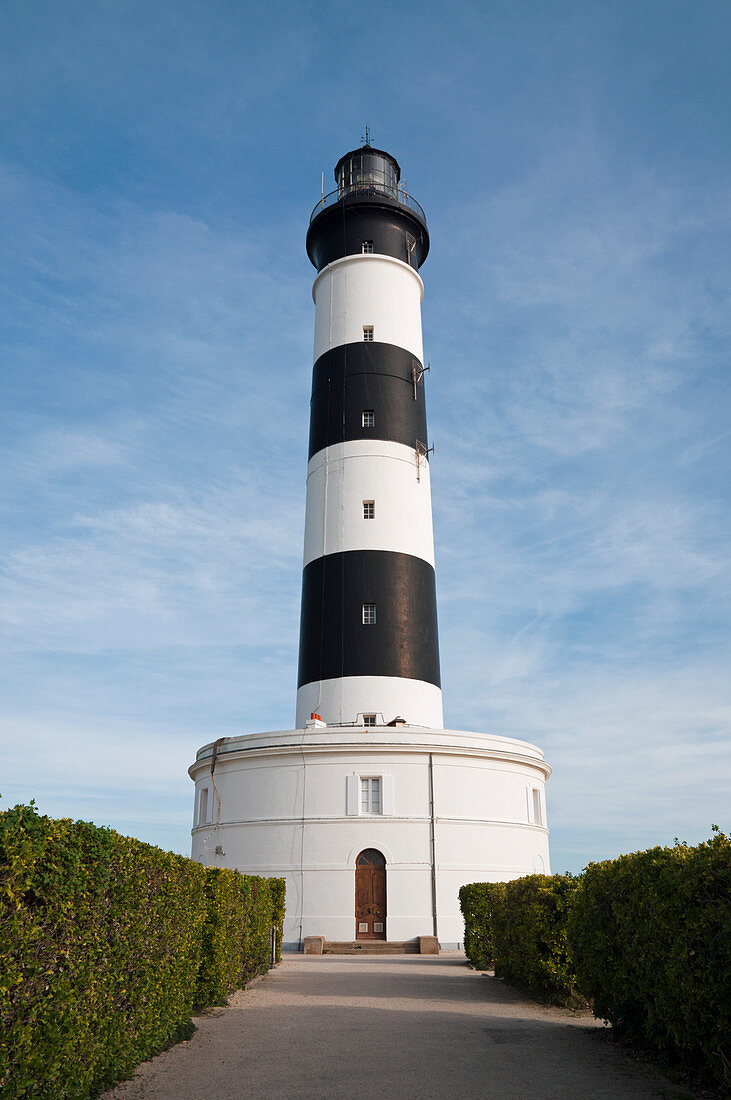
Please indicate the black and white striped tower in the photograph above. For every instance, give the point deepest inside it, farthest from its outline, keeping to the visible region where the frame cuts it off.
(369, 649)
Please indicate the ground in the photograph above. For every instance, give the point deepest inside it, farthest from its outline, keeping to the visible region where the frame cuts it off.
(405, 1026)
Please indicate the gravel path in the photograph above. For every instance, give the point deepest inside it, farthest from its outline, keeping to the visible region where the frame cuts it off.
(407, 1027)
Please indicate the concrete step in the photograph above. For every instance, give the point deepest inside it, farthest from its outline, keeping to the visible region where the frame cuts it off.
(370, 947)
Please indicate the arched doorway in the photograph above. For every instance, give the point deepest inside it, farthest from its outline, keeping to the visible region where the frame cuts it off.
(370, 895)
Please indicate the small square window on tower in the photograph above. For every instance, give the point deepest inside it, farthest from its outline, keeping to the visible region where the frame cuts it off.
(369, 509)
(368, 419)
(369, 614)
(367, 246)
(369, 719)
(368, 333)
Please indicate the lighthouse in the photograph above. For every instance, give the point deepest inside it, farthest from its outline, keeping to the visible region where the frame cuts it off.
(369, 647)
(372, 811)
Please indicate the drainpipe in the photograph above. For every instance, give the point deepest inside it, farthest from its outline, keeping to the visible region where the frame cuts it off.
(433, 845)
(300, 945)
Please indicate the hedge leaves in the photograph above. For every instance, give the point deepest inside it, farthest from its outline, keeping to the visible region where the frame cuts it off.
(645, 937)
(106, 946)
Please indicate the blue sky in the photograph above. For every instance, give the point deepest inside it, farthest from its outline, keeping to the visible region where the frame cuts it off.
(159, 163)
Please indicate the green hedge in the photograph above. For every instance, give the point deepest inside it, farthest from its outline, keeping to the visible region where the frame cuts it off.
(652, 938)
(477, 901)
(236, 944)
(106, 945)
(645, 937)
(531, 938)
(520, 927)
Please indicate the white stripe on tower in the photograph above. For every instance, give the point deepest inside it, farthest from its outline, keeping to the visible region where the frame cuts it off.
(368, 638)
(357, 290)
(343, 478)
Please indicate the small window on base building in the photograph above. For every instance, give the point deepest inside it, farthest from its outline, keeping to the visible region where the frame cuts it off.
(370, 795)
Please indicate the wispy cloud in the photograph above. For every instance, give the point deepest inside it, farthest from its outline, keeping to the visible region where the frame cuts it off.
(582, 527)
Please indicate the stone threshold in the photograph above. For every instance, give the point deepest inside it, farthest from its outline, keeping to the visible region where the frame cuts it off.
(421, 945)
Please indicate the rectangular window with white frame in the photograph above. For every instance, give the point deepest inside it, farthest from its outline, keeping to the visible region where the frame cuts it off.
(535, 806)
(369, 509)
(369, 719)
(203, 806)
(369, 614)
(368, 419)
(370, 794)
(368, 333)
(367, 246)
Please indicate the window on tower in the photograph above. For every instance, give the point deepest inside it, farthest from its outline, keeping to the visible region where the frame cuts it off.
(369, 614)
(370, 795)
(369, 719)
(367, 246)
(369, 418)
(368, 333)
(369, 509)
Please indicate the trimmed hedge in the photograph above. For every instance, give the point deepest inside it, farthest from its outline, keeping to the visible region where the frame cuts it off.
(531, 939)
(520, 928)
(106, 946)
(646, 937)
(652, 938)
(236, 942)
(477, 901)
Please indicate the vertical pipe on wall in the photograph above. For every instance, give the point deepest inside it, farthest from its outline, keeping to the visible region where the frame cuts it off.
(433, 845)
(302, 845)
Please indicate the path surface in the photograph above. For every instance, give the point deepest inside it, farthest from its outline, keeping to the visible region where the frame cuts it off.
(406, 1027)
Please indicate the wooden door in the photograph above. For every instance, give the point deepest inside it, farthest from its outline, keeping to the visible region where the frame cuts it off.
(370, 896)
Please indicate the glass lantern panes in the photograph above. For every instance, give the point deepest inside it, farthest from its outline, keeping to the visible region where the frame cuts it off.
(368, 172)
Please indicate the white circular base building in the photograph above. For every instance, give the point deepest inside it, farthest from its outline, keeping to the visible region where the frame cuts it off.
(374, 828)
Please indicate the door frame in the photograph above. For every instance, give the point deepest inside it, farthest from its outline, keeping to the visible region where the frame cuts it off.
(371, 935)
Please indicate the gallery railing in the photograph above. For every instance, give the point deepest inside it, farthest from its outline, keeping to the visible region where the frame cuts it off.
(369, 191)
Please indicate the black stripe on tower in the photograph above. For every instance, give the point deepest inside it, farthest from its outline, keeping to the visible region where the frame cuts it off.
(351, 378)
(390, 227)
(334, 641)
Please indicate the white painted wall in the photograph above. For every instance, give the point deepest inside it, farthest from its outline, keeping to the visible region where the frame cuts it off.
(368, 290)
(341, 477)
(345, 698)
(283, 812)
